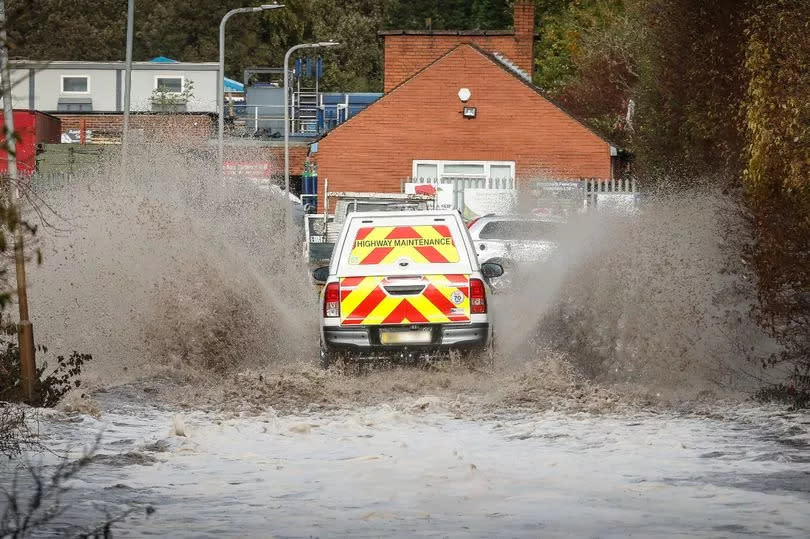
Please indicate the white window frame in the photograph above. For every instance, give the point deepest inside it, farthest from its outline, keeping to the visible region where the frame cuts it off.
(182, 82)
(76, 76)
(440, 164)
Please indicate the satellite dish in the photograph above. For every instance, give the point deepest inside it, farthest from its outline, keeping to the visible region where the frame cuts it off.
(464, 94)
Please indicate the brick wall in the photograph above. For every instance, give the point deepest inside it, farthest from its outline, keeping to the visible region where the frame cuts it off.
(422, 119)
(407, 53)
(193, 125)
(298, 155)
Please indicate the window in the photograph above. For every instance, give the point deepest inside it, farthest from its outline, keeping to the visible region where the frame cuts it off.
(426, 171)
(75, 84)
(73, 106)
(170, 85)
(463, 169)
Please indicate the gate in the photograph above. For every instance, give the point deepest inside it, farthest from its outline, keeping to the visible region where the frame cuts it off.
(451, 194)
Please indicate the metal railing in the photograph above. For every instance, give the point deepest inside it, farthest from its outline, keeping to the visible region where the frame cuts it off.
(458, 184)
(565, 196)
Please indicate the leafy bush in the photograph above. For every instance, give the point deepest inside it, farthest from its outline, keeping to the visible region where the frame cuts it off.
(49, 388)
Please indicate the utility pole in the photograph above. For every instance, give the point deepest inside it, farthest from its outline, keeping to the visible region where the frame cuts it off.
(221, 76)
(25, 331)
(289, 53)
(127, 84)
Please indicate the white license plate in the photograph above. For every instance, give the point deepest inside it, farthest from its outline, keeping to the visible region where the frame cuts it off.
(399, 336)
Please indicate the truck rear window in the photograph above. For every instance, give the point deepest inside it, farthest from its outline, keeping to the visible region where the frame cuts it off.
(422, 244)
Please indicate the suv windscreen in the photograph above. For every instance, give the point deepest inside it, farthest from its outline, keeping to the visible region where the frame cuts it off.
(518, 230)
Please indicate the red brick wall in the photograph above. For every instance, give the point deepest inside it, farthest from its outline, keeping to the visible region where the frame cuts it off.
(422, 119)
(406, 54)
(195, 125)
(298, 155)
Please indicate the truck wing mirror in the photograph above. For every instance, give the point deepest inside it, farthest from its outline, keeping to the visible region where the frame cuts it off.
(491, 269)
(321, 274)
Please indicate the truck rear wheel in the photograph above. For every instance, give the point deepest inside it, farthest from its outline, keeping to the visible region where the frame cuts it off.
(328, 357)
(488, 356)
(483, 358)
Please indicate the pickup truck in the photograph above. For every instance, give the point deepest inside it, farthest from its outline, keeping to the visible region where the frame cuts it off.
(405, 284)
(321, 230)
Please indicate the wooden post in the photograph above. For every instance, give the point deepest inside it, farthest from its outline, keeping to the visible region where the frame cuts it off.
(83, 131)
(25, 332)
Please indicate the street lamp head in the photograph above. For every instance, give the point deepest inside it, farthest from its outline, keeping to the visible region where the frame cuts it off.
(329, 44)
(267, 6)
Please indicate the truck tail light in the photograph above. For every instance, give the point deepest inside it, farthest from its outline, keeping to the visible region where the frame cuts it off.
(478, 297)
(331, 300)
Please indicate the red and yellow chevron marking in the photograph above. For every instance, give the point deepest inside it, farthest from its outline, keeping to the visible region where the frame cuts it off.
(364, 301)
(387, 244)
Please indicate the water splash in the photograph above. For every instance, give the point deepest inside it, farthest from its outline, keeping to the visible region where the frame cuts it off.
(170, 264)
(657, 299)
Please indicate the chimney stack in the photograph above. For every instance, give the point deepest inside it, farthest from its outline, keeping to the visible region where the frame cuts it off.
(524, 33)
(524, 18)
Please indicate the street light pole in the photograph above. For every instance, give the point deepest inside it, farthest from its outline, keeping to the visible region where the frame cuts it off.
(25, 331)
(127, 83)
(221, 77)
(287, 106)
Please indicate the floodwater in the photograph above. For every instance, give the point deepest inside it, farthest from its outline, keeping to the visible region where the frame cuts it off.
(421, 466)
(618, 405)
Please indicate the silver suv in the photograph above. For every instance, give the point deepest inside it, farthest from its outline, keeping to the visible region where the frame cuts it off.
(514, 239)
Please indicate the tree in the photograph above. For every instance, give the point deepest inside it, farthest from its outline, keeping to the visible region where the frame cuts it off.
(66, 29)
(691, 87)
(777, 128)
(587, 57)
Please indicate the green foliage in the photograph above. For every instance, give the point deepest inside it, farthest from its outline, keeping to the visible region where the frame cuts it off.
(357, 64)
(777, 177)
(66, 29)
(50, 388)
(167, 101)
(587, 58)
(778, 101)
(448, 14)
(691, 85)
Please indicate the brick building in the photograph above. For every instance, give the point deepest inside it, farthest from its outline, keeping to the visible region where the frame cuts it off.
(419, 128)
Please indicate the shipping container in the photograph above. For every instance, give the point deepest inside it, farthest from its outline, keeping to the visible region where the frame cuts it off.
(33, 128)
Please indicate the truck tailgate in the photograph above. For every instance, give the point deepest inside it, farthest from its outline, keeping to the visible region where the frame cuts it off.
(393, 300)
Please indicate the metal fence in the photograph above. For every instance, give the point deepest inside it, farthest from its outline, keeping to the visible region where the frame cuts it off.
(611, 195)
(460, 184)
(562, 196)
